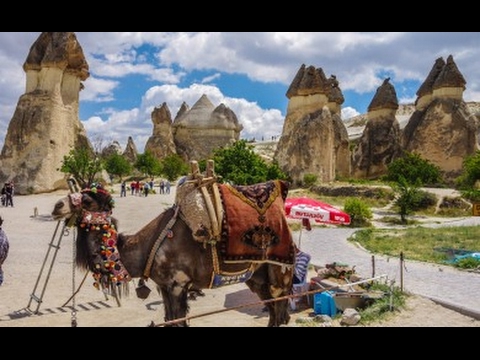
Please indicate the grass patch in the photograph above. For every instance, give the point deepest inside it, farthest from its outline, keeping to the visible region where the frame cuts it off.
(381, 309)
(419, 243)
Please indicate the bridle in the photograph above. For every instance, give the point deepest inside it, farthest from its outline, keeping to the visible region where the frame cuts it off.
(101, 221)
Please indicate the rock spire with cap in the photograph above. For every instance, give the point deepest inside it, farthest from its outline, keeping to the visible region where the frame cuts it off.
(45, 126)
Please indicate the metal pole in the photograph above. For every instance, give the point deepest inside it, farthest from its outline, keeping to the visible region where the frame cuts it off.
(300, 238)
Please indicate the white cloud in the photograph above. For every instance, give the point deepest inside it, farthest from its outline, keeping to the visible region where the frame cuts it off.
(349, 112)
(161, 61)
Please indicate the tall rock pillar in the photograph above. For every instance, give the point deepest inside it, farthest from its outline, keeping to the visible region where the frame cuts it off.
(45, 126)
(314, 139)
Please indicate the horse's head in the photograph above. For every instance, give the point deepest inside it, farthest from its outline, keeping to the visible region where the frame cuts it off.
(92, 199)
(97, 235)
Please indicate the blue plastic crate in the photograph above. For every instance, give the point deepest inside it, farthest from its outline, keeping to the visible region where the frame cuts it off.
(324, 304)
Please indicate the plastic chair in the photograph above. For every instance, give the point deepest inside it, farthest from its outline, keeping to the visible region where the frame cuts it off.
(300, 288)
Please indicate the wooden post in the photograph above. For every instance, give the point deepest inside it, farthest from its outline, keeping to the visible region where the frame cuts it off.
(401, 271)
(373, 266)
(195, 169)
(210, 169)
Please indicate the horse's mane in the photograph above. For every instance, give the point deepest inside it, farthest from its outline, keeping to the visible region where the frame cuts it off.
(151, 230)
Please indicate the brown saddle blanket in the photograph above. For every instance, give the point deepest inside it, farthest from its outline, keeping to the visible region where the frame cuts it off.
(255, 227)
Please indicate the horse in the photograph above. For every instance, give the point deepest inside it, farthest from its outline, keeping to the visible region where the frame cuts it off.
(166, 252)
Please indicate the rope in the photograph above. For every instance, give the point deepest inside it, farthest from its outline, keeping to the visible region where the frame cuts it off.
(265, 302)
(159, 242)
(74, 322)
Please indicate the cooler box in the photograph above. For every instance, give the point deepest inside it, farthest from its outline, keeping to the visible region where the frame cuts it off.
(324, 304)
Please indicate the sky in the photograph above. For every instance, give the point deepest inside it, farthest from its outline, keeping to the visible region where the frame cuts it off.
(131, 73)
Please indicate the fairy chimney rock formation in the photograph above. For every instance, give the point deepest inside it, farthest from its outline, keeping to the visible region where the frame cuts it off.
(130, 153)
(307, 94)
(45, 126)
(199, 131)
(380, 142)
(113, 148)
(335, 95)
(442, 130)
(314, 140)
(161, 143)
(425, 92)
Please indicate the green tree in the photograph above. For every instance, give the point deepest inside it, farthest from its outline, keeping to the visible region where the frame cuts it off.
(467, 182)
(83, 165)
(173, 167)
(148, 164)
(240, 165)
(413, 169)
(409, 195)
(117, 165)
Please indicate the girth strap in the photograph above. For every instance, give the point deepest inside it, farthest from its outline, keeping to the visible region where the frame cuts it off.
(161, 238)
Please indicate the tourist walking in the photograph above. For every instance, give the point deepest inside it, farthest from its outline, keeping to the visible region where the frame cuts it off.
(4, 248)
(123, 191)
(9, 190)
(146, 189)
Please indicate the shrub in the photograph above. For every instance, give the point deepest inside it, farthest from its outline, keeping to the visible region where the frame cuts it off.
(309, 180)
(468, 263)
(414, 169)
(424, 201)
(360, 213)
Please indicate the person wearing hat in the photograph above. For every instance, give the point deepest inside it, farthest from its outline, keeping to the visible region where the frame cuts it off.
(4, 248)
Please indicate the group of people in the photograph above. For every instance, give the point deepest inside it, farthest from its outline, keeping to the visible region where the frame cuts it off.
(7, 194)
(138, 188)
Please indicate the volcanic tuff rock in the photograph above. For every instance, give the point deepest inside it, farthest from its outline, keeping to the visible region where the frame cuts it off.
(199, 131)
(112, 149)
(380, 143)
(314, 139)
(45, 126)
(442, 130)
(131, 152)
(161, 143)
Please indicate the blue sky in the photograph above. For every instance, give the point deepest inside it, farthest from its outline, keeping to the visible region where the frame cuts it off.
(250, 72)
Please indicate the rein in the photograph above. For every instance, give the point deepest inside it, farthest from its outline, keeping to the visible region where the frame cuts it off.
(166, 233)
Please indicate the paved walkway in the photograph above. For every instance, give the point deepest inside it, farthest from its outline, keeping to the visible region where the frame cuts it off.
(458, 290)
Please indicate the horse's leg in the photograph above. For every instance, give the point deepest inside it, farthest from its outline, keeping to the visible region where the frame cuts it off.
(270, 282)
(281, 280)
(175, 300)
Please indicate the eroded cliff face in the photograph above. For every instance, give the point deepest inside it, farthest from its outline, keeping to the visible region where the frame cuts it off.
(45, 126)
